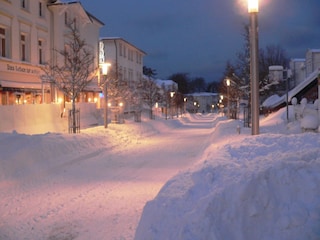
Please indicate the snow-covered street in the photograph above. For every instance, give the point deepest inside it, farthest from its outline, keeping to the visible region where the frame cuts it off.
(59, 186)
(191, 178)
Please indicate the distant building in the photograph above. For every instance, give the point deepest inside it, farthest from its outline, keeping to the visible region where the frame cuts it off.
(298, 70)
(29, 31)
(202, 102)
(312, 61)
(303, 81)
(301, 68)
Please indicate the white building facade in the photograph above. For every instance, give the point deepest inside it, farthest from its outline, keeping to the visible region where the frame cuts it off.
(125, 58)
(30, 30)
(302, 67)
(126, 65)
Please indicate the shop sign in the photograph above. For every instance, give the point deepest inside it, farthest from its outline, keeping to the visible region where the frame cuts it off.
(21, 69)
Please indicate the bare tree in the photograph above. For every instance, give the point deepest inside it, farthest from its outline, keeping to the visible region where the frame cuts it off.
(119, 90)
(150, 93)
(75, 70)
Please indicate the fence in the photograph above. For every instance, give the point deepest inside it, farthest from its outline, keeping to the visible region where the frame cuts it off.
(43, 118)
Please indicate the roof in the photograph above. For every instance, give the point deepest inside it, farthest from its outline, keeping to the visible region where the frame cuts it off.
(121, 39)
(65, 2)
(275, 101)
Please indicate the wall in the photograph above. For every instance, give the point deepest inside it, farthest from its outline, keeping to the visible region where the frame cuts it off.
(43, 118)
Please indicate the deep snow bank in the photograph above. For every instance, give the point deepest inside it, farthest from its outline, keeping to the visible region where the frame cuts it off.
(264, 187)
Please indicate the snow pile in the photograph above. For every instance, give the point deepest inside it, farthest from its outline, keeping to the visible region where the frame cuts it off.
(272, 101)
(206, 180)
(262, 187)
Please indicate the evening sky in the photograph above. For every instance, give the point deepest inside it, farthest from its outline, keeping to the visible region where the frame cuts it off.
(199, 36)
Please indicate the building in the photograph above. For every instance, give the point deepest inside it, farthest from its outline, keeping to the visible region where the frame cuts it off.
(30, 30)
(125, 58)
(202, 102)
(126, 62)
(298, 70)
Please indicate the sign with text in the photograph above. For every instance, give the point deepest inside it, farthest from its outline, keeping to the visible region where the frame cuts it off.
(19, 68)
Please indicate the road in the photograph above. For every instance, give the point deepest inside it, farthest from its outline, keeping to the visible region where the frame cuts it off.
(98, 192)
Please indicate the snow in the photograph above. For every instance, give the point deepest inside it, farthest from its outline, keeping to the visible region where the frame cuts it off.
(194, 177)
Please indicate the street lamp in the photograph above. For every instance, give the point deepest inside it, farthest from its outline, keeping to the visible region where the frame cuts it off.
(228, 94)
(104, 69)
(171, 103)
(319, 100)
(253, 9)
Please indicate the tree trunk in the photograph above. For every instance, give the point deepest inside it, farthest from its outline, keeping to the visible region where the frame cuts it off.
(74, 126)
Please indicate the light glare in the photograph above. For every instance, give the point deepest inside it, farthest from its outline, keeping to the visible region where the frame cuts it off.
(253, 6)
(104, 67)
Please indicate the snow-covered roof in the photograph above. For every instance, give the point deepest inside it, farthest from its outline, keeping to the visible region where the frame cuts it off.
(122, 39)
(303, 84)
(314, 50)
(166, 83)
(275, 100)
(275, 67)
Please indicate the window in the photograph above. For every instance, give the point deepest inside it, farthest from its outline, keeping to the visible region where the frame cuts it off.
(66, 49)
(24, 4)
(2, 42)
(124, 74)
(130, 54)
(130, 74)
(66, 18)
(120, 46)
(40, 51)
(23, 48)
(40, 10)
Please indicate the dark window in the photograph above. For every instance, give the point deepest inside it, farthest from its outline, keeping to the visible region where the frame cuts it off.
(3, 42)
(23, 48)
(40, 9)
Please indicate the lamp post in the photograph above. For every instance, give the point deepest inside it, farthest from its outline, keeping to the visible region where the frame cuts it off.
(104, 68)
(185, 104)
(253, 9)
(319, 100)
(228, 95)
(171, 103)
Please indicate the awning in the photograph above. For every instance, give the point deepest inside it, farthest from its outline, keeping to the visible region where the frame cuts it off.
(22, 85)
